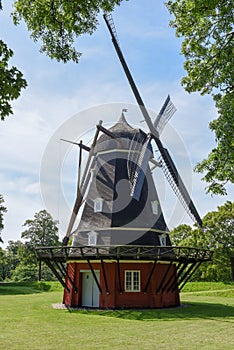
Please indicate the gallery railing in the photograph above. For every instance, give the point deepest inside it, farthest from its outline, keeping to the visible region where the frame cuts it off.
(167, 253)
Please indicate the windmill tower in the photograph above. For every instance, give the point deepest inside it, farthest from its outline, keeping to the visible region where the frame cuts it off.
(121, 254)
(121, 202)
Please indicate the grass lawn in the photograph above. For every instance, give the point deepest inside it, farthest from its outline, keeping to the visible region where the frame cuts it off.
(28, 321)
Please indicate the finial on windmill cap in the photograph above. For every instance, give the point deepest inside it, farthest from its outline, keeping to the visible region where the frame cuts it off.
(122, 118)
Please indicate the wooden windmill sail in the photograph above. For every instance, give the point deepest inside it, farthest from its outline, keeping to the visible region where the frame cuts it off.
(168, 165)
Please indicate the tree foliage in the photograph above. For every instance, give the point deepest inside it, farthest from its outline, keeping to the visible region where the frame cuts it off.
(41, 231)
(17, 256)
(208, 47)
(3, 210)
(3, 265)
(57, 23)
(18, 262)
(217, 234)
(12, 81)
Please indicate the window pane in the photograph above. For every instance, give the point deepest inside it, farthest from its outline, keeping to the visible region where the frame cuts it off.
(135, 280)
(132, 281)
(128, 280)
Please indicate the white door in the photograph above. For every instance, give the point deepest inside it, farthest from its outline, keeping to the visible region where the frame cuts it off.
(90, 291)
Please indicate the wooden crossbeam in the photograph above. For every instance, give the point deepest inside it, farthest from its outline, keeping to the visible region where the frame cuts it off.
(164, 277)
(194, 267)
(106, 131)
(94, 276)
(64, 273)
(119, 277)
(150, 276)
(104, 275)
(174, 283)
(173, 276)
(57, 275)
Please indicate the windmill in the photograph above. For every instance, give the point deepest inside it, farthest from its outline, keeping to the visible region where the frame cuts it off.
(121, 254)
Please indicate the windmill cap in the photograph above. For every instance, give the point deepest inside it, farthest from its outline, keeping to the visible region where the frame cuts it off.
(123, 132)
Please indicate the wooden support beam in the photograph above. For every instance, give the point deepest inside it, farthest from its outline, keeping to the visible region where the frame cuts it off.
(186, 273)
(195, 266)
(84, 147)
(80, 144)
(104, 275)
(172, 277)
(164, 277)
(106, 131)
(175, 281)
(94, 276)
(65, 274)
(150, 276)
(119, 277)
(57, 275)
(180, 273)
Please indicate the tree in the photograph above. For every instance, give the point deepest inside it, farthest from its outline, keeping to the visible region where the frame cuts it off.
(18, 263)
(207, 29)
(2, 211)
(3, 265)
(216, 234)
(182, 236)
(12, 251)
(41, 231)
(58, 23)
(219, 227)
(21, 262)
(12, 81)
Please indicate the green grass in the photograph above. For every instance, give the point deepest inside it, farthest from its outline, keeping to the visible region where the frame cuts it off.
(207, 286)
(10, 288)
(28, 321)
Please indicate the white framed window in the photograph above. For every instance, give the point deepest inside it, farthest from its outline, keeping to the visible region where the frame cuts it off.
(97, 205)
(163, 239)
(154, 206)
(132, 281)
(92, 238)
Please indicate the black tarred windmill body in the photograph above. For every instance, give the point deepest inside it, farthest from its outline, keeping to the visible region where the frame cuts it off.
(122, 204)
(120, 254)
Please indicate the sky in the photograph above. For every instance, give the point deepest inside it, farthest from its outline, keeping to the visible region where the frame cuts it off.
(38, 170)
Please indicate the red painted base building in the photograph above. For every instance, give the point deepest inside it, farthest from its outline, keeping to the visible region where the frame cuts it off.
(127, 285)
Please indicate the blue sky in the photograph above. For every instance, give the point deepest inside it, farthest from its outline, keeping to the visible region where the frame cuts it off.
(66, 101)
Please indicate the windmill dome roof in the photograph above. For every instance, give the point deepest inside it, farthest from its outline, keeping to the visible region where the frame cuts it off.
(121, 127)
(123, 120)
(123, 132)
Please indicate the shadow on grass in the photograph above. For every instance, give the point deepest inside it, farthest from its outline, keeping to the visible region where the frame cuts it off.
(185, 312)
(15, 288)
